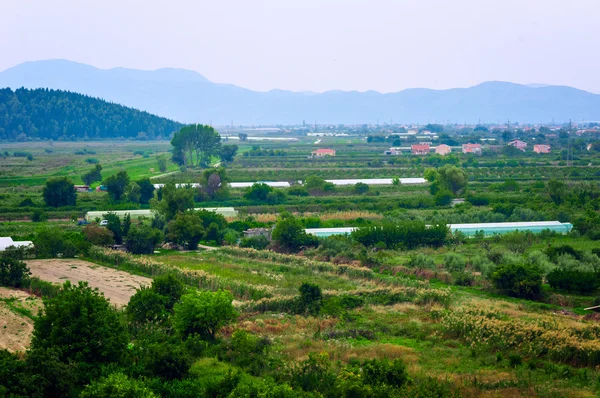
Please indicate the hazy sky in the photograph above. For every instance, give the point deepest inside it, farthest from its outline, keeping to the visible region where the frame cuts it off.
(318, 45)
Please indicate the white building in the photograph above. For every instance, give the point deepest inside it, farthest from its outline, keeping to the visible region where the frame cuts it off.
(6, 242)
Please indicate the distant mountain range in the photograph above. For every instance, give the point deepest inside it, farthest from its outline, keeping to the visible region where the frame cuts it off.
(187, 97)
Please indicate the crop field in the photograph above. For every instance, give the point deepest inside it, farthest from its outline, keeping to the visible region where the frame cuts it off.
(502, 316)
(117, 286)
(17, 309)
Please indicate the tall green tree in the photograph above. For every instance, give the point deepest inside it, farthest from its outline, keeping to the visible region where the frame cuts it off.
(59, 191)
(449, 178)
(557, 191)
(81, 327)
(289, 234)
(228, 152)
(146, 190)
(93, 175)
(116, 185)
(114, 226)
(173, 200)
(195, 144)
(162, 163)
(203, 313)
(142, 239)
(186, 229)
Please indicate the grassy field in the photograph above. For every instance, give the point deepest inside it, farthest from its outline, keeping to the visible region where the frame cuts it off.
(485, 344)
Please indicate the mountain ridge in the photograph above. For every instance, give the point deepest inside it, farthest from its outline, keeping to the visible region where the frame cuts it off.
(187, 96)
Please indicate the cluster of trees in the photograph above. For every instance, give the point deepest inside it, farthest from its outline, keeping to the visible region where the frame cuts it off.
(62, 115)
(195, 144)
(258, 151)
(121, 188)
(60, 191)
(405, 235)
(263, 192)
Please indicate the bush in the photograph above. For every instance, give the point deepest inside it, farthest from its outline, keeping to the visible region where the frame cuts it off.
(443, 198)
(83, 330)
(289, 234)
(203, 313)
(146, 305)
(143, 239)
(117, 385)
(408, 235)
(298, 191)
(59, 191)
(39, 215)
(421, 261)
(255, 242)
(169, 287)
(310, 300)
(554, 252)
(386, 372)
(98, 236)
(574, 281)
(454, 262)
(360, 188)
(13, 271)
(518, 280)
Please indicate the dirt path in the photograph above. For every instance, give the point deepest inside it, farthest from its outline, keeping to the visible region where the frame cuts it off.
(16, 328)
(118, 286)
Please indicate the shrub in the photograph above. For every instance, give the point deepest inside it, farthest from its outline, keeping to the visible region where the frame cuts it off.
(386, 372)
(289, 234)
(13, 271)
(554, 252)
(574, 281)
(310, 299)
(59, 191)
(518, 280)
(463, 278)
(454, 262)
(143, 239)
(146, 305)
(407, 235)
(298, 191)
(313, 374)
(98, 236)
(443, 198)
(80, 327)
(259, 242)
(360, 188)
(39, 215)
(421, 261)
(203, 313)
(117, 385)
(169, 287)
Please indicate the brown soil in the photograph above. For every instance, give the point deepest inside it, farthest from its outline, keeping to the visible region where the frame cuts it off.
(15, 328)
(118, 286)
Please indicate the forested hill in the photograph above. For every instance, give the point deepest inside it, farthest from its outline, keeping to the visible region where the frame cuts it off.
(56, 114)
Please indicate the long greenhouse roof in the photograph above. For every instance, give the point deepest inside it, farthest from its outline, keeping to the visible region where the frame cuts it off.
(508, 224)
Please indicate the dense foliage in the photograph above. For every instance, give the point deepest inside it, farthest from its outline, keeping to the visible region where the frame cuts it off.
(62, 115)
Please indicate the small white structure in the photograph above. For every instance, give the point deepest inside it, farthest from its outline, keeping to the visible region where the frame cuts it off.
(274, 184)
(378, 181)
(6, 242)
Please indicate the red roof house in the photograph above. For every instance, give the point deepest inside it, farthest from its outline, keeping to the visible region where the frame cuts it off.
(541, 148)
(518, 144)
(471, 148)
(323, 152)
(419, 149)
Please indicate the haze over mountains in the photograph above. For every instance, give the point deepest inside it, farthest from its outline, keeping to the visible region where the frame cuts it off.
(187, 97)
